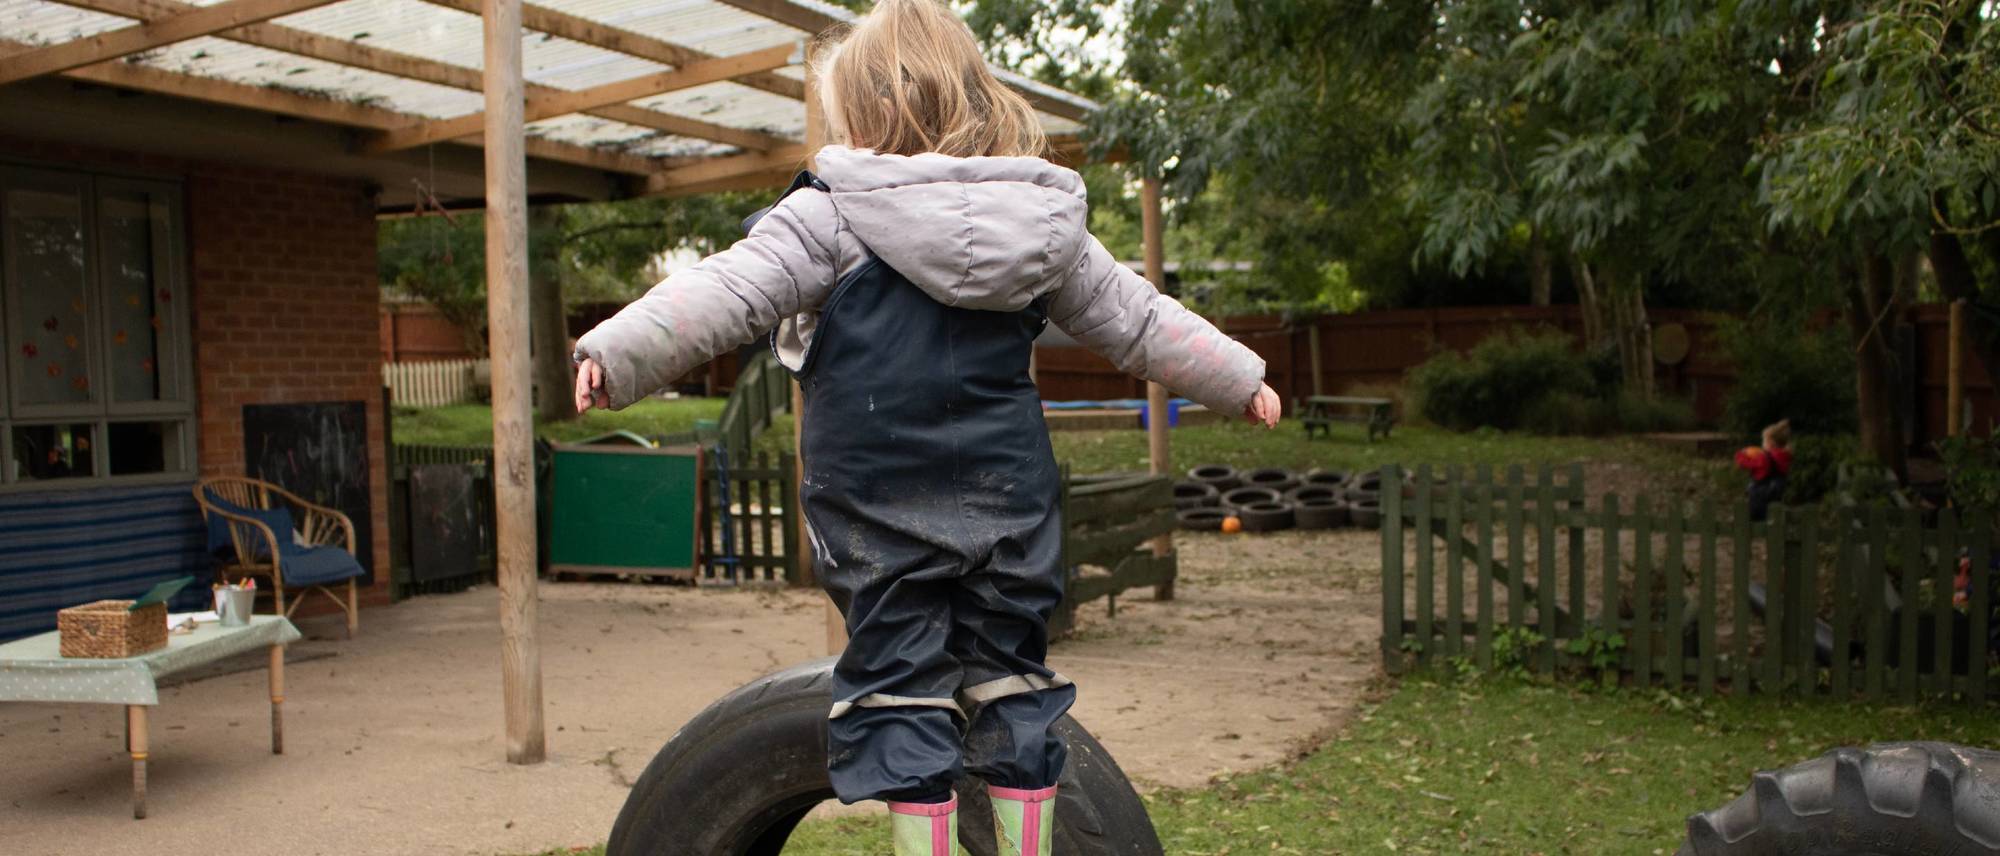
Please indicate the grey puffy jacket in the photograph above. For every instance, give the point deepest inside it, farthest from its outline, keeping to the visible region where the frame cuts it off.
(981, 233)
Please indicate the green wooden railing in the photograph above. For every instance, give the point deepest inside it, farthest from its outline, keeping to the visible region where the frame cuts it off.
(1107, 521)
(763, 390)
(1521, 572)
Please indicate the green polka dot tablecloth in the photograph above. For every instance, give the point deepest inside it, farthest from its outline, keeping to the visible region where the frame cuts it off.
(32, 669)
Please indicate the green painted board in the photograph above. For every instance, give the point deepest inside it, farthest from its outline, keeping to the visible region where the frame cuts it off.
(625, 509)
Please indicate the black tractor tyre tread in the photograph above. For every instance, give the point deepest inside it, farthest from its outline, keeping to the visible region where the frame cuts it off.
(1266, 516)
(1888, 799)
(1320, 514)
(1204, 519)
(1245, 496)
(739, 776)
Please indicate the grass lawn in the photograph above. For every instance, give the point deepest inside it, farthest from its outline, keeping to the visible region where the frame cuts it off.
(1235, 444)
(472, 424)
(1241, 445)
(1501, 766)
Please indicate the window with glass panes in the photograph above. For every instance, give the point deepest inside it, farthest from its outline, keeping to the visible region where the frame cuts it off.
(97, 384)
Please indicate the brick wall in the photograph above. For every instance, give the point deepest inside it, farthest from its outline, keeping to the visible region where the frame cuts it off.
(286, 311)
(282, 267)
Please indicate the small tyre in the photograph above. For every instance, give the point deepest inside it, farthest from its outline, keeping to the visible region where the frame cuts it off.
(1266, 516)
(1223, 479)
(1193, 494)
(1244, 496)
(1368, 482)
(1366, 513)
(1325, 478)
(1888, 799)
(741, 775)
(1320, 514)
(1275, 478)
(1204, 519)
(1312, 493)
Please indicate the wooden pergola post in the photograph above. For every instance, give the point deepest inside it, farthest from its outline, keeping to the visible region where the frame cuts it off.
(1157, 453)
(1954, 407)
(507, 343)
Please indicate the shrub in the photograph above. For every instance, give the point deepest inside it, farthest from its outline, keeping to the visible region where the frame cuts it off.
(1536, 382)
(1499, 381)
(1816, 461)
(1784, 371)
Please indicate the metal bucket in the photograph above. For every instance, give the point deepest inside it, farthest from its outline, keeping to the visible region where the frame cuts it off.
(233, 605)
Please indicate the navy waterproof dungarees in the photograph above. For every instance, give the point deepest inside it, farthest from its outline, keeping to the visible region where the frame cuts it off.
(930, 491)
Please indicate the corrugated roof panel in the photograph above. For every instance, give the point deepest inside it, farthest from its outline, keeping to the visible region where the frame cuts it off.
(446, 35)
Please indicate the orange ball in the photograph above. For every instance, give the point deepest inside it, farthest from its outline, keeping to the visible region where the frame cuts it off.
(1232, 524)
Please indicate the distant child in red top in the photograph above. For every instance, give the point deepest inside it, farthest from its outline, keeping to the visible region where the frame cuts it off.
(1768, 465)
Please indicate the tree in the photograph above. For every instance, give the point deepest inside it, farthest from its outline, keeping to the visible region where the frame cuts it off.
(601, 252)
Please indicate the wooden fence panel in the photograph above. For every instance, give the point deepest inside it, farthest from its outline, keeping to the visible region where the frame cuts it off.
(431, 384)
(1820, 603)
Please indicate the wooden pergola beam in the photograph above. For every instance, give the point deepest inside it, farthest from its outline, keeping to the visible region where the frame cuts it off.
(280, 102)
(814, 22)
(560, 103)
(113, 44)
(599, 35)
(397, 64)
(713, 171)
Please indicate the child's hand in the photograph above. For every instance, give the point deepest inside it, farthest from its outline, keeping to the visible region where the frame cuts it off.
(1263, 407)
(590, 387)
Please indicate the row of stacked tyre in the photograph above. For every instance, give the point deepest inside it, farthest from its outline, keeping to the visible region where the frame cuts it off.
(1269, 499)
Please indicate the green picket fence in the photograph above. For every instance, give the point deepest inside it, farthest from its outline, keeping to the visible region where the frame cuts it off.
(1522, 571)
(763, 390)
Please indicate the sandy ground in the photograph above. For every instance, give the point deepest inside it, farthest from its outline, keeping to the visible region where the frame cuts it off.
(393, 739)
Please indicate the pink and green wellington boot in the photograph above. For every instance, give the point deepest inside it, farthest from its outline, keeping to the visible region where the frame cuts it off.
(1026, 819)
(925, 829)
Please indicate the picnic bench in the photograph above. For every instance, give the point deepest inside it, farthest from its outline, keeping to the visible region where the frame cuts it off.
(1321, 411)
(33, 669)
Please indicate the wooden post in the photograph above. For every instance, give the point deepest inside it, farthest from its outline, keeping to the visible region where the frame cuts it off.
(1312, 347)
(507, 343)
(1158, 455)
(1954, 407)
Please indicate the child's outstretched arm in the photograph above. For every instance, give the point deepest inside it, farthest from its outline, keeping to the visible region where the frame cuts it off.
(786, 265)
(1122, 317)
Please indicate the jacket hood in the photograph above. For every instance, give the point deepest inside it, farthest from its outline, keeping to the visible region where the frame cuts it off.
(989, 233)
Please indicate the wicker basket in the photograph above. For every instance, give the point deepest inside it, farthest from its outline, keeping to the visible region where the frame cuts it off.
(110, 629)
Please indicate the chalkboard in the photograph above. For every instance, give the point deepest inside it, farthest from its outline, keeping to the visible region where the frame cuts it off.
(320, 452)
(625, 510)
(445, 540)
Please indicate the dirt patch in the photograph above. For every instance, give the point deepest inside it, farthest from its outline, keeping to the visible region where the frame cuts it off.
(1271, 640)
(394, 739)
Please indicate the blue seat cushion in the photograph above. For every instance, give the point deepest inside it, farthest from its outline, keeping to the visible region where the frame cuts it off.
(315, 566)
(219, 543)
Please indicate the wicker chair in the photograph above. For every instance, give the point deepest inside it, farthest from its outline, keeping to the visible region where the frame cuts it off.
(316, 553)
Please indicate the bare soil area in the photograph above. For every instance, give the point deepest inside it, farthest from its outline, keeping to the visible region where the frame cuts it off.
(394, 743)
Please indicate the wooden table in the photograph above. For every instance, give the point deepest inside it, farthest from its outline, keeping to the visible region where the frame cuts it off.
(1321, 411)
(32, 669)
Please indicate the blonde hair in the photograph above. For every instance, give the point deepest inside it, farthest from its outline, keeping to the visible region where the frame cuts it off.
(908, 78)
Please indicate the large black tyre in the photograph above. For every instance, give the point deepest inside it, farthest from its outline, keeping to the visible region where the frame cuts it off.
(1247, 496)
(1223, 478)
(1320, 514)
(1189, 493)
(1266, 516)
(744, 772)
(1889, 799)
(1275, 478)
(1205, 519)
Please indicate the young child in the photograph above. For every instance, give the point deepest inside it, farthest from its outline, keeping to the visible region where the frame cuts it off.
(904, 285)
(1768, 466)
